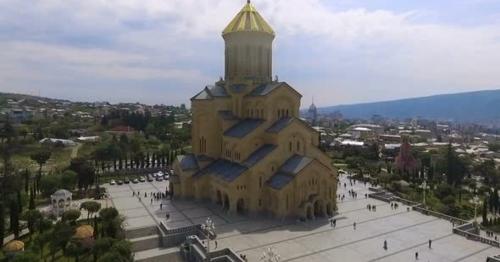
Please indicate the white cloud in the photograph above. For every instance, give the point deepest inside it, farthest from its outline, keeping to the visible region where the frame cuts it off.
(347, 54)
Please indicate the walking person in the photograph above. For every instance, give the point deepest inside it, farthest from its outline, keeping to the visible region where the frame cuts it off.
(161, 206)
(354, 225)
(385, 244)
(215, 244)
(416, 255)
(430, 243)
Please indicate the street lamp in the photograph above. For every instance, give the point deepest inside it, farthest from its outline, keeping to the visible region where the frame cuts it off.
(476, 202)
(270, 255)
(209, 229)
(424, 187)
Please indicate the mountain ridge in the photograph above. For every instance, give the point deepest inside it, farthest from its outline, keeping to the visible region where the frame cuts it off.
(475, 106)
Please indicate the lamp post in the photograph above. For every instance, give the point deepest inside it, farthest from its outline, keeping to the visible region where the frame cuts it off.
(270, 255)
(208, 228)
(424, 187)
(476, 202)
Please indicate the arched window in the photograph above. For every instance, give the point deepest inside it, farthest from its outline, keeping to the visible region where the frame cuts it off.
(287, 113)
(298, 146)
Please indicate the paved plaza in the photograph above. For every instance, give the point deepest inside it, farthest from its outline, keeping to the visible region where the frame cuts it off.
(406, 232)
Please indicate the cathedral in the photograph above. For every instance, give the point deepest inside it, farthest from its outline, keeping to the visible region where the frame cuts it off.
(251, 153)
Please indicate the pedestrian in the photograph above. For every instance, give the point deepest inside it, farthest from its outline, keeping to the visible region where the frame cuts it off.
(416, 255)
(385, 244)
(354, 225)
(215, 244)
(145, 194)
(161, 206)
(151, 201)
(430, 243)
(133, 193)
(334, 223)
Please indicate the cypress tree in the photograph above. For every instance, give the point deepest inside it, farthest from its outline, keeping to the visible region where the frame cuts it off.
(14, 217)
(485, 213)
(32, 200)
(2, 223)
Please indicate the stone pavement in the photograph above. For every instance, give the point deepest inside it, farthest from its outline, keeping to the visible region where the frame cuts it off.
(406, 232)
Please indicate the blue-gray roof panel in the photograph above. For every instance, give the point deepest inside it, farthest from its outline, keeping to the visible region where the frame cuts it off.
(259, 154)
(243, 128)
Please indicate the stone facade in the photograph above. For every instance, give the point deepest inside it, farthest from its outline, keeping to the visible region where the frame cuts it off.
(250, 151)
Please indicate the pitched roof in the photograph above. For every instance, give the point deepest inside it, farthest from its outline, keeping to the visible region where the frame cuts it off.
(202, 95)
(187, 162)
(259, 154)
(211, 91)
(223, 169)
(248, 20)
(295, 164)
(288, 171)
(243, 128)
(282, 123)
(277, 126)
(265, 89)
(217, 91)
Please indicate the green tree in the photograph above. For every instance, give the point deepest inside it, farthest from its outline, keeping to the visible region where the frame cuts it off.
(33, 217)
(71, 216)
(75, 249)
(14, 216)
(91, 207)
(68, 179)
(2, 222)
(49, 184)
(26, 256)
(61, 235)
(40, 157)
(85, 172)
(101, 246)
(111, 222)
(40, 242)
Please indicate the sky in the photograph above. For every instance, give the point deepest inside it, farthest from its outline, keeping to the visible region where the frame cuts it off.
(165, 51)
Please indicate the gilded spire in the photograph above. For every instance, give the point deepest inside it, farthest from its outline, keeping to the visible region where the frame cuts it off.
(248, 20)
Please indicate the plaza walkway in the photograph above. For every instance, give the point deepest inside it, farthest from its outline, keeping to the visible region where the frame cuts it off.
(406, 232)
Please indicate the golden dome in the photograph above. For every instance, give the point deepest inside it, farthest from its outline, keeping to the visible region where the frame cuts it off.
(14, 246)
(248, 20)
(84, 231)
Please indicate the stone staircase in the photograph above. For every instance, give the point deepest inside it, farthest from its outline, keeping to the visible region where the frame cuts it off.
(146, 244)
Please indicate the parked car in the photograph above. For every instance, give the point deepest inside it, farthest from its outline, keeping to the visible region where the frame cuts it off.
(166, 176)
(159, 178)
(119, 182)
(150, 178)
(126, 181)
(112, 182)
(142, 179)
(135, 181)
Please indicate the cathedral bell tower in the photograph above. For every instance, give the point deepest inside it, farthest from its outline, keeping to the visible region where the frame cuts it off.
(248, 47)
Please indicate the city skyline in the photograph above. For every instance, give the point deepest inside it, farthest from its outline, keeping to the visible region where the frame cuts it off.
(160, 52)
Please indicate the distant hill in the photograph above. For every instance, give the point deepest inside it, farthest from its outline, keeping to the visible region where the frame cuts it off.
(479, 106)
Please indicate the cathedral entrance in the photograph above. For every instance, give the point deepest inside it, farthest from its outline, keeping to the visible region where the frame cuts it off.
(329, 209)
(318, 208)
(309, 212)
(218, 200)
(226, 202)
(240, 207)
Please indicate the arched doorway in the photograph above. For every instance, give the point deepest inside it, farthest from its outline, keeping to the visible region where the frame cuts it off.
(309, 212)
(226, 202)
(318, 209)
(219, 198)
(240, 207)
(329, 209)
